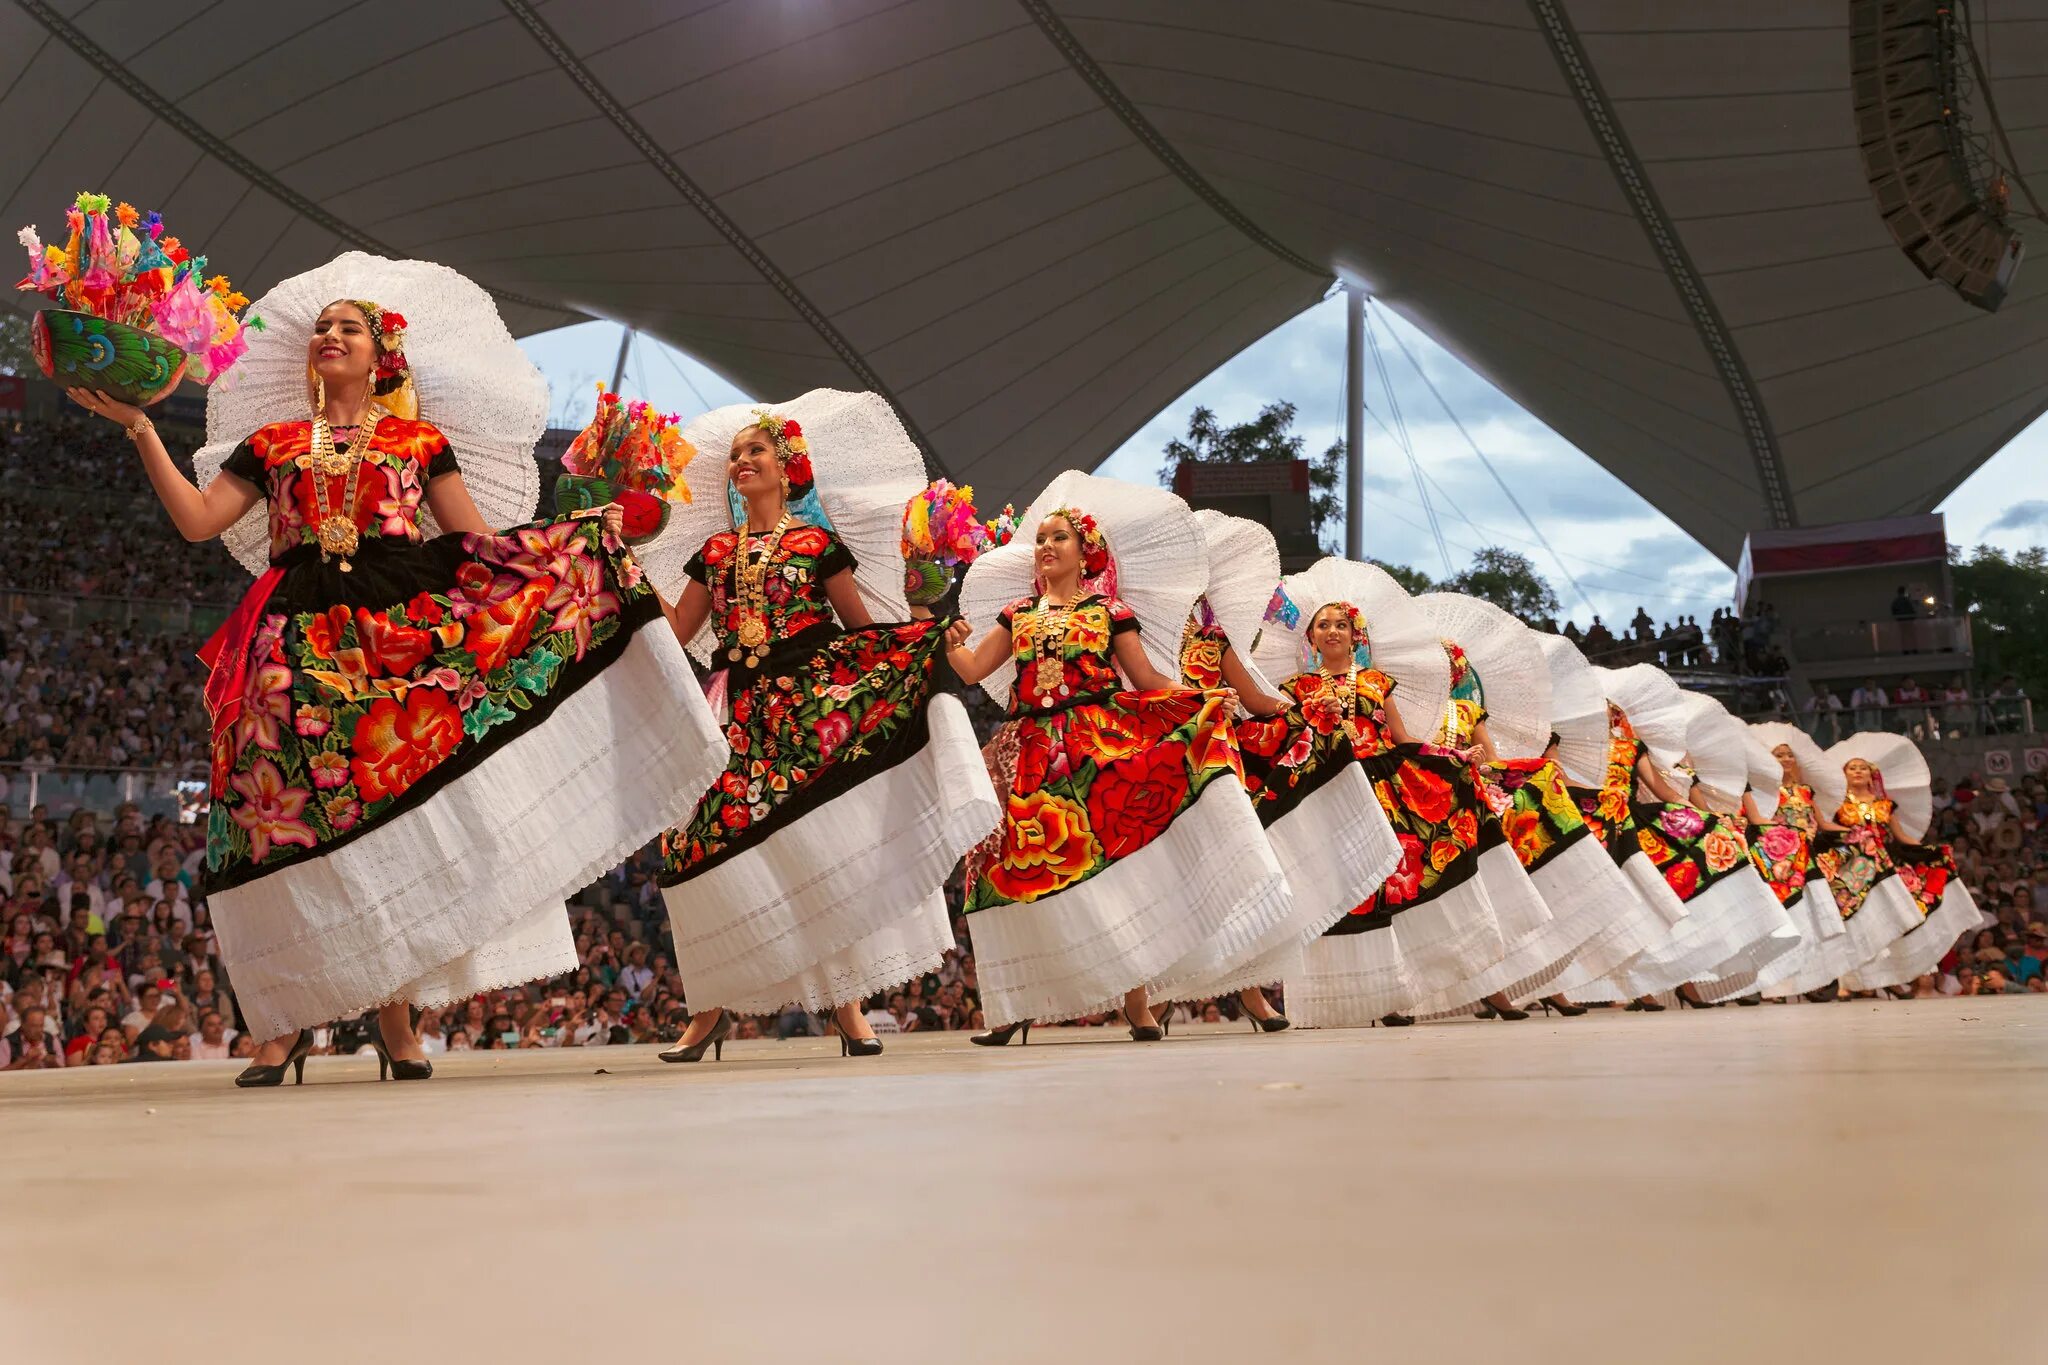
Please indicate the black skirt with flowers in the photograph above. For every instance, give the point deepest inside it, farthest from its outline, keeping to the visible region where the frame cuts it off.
(350, 696)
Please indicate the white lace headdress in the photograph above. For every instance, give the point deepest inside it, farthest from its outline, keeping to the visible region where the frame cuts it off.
(865, 467)
(1400, 642)
(1514, 680)
(1160, 562)
(472, 380)
(1901, 769)
(1829, 786)
(1578, 711)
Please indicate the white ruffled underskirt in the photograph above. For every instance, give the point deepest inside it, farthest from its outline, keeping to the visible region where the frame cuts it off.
(1920, 952)
(1350, 981)
(1080, 950)
(1335, 848)
(1586, 894)
(898, 953)
(1888, 914)
(840, 896)
(1733, 915)
(1353, 980)
(467, 892)
(1820, 932)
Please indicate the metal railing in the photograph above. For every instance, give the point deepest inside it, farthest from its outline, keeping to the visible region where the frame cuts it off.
(1882, 639)
(1928, 721)
(24, 786)
(155, 615)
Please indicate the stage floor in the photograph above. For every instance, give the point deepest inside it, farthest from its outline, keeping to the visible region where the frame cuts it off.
(1858, 1181)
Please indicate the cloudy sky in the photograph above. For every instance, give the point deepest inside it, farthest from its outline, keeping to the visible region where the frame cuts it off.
(1639, 556)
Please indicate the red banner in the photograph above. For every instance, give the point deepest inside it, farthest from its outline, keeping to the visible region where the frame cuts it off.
(13, 394)
(1850, 554)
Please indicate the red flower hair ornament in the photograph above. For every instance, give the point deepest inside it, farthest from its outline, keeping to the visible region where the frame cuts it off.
(792, 451)
(1094, 546)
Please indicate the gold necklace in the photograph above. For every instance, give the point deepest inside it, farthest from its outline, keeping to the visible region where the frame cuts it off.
(1348, 713)
(1049, 677)
(336, 530)
(750, 595)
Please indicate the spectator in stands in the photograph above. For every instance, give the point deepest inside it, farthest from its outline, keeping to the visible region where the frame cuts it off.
(2008, 705)
(1868, 701)
(1955, 709)
(1642, 626)
(1599, 639)
(1911, 716)
(212, 1041)
(33, 1043)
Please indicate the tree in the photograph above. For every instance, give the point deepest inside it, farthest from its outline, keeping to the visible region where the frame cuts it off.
(1412, 581)
(1509, 581)
(1269, 438)
(15, 357)
(2006, 596)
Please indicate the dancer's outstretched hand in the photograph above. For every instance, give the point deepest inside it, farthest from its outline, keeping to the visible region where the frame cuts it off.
(958, 634)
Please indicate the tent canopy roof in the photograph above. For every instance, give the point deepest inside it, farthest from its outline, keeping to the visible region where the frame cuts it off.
(1033, 224)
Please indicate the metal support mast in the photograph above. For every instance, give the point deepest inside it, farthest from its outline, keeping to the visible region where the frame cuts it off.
(619, 369)
(1354, 422)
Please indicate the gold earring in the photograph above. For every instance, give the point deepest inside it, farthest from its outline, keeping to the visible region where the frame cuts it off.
(319, 395)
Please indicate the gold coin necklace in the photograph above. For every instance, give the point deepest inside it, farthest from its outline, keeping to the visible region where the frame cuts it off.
(1049, 678)
(336, 529)
(1348, 712)
(750, 595)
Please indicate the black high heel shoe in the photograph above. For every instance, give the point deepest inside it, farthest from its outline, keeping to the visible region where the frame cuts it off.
(1397, 1020)
(1826, 994)
(1507, 1012)
(859, 1047)
(1646, 1005)
(1753, 999)
(254, 1076)
(1482, 1010)
(1561, 1005)
(715, 1040)
(398, 1068)
(1687, 1002)
(1274, 1023)
(997, 1037)
(1143, 1033)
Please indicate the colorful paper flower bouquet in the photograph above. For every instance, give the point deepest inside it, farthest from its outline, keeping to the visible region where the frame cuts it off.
(134, 312)
(941, 536)
(629, 454)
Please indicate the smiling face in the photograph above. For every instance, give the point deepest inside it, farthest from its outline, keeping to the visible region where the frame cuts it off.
(342, 349)
(1788, 762)
(1057, 550)
(750, 464)
(1332, 635)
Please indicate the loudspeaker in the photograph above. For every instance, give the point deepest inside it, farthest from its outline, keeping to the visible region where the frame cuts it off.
(1903, 57)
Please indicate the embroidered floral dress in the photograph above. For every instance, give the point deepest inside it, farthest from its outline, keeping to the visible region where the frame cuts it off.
(1606, 808)
(1926, 869)
(1100, 771)
(1782, 847)
(1692, 849)
(1431, 799)
(1855, 860)
(1282, 762)
(350, 690)
(824, 709)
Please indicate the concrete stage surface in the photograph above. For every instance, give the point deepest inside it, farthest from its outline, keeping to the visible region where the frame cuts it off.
(1846, 1182)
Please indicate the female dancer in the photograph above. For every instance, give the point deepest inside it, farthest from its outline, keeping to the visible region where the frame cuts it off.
(1582, 868)
(1319, 810)
(376, 835)
(1783, 846)
(1128, 841)
(1431, 922)
(810, 873)
(1697, 856)
(1877, 812)
(1521, 680)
